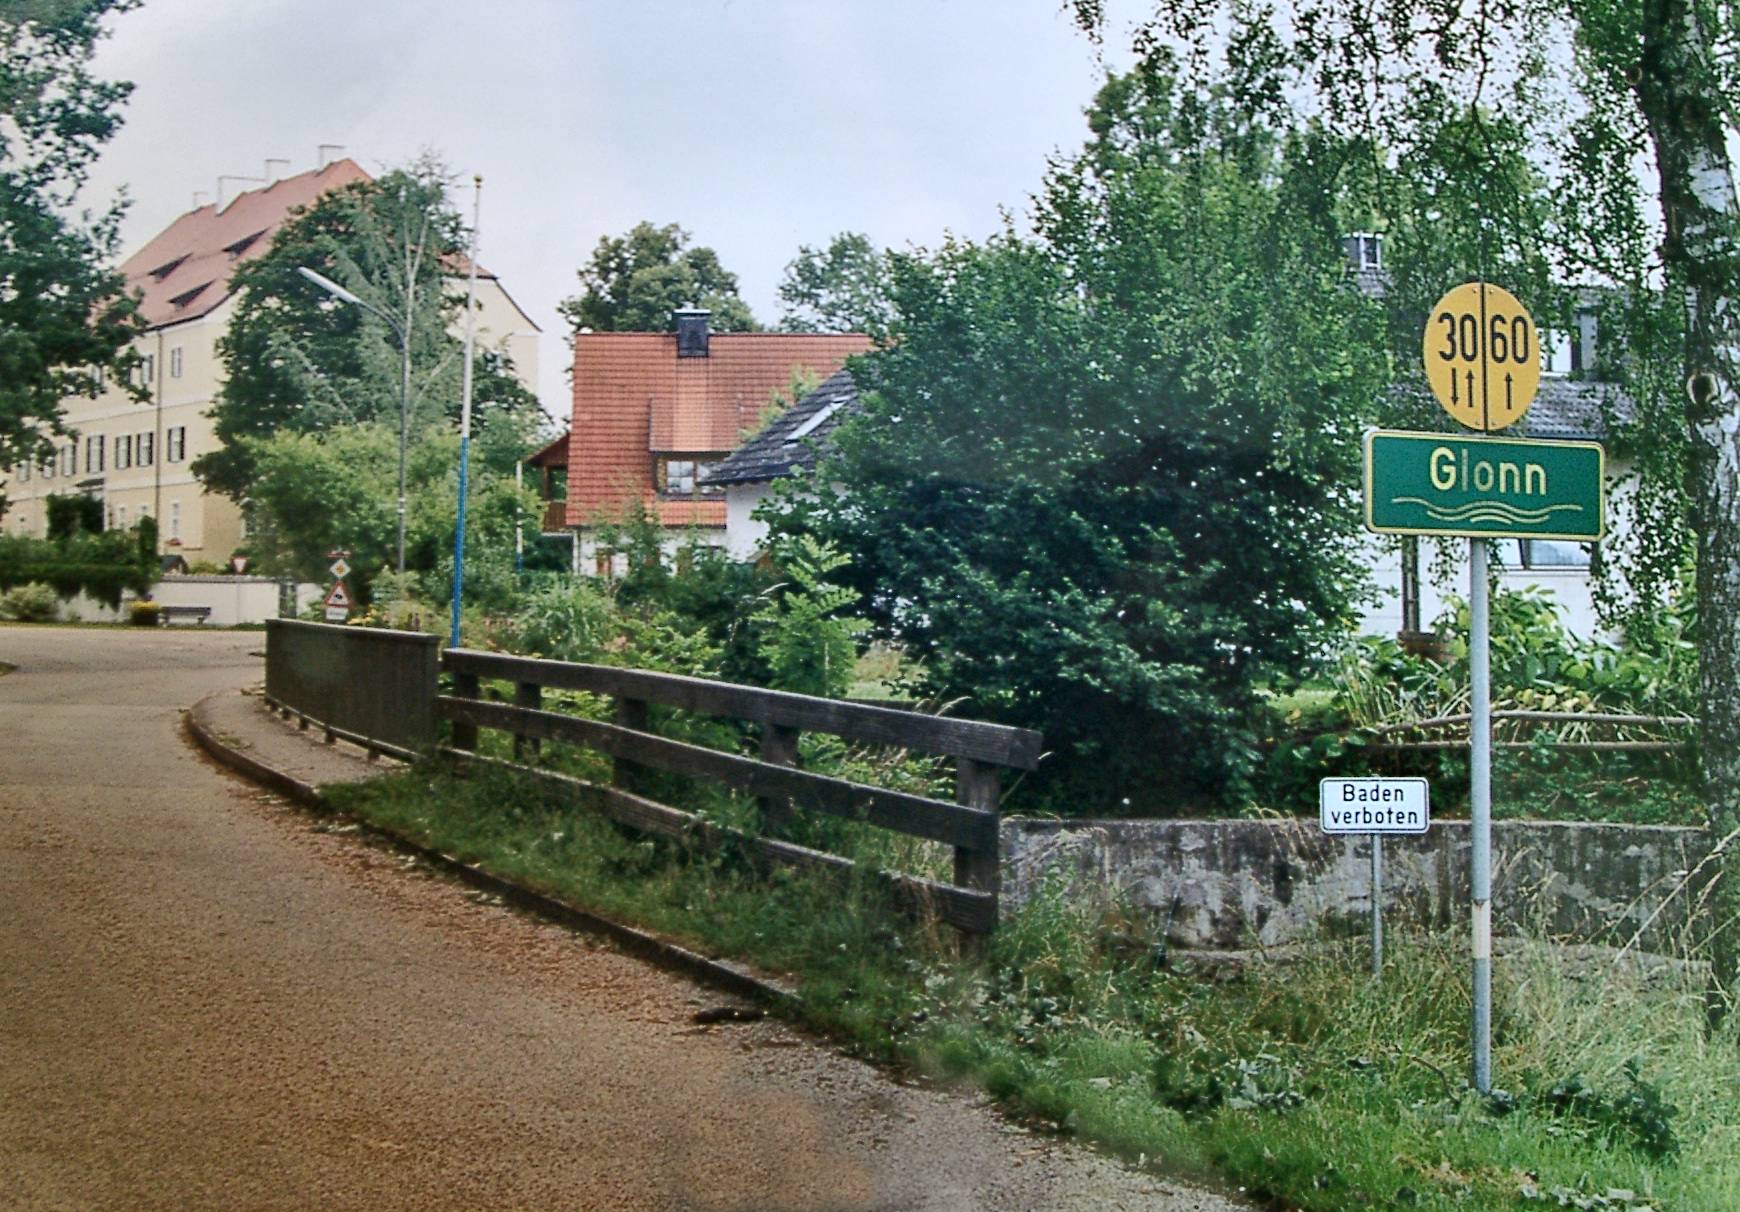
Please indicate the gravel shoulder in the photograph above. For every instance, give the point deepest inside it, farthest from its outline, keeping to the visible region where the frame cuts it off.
(210, 1000)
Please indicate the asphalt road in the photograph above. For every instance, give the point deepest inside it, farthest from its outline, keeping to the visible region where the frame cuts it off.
(205, 1002)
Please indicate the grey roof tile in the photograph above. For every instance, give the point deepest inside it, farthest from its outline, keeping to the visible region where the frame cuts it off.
(778, 450)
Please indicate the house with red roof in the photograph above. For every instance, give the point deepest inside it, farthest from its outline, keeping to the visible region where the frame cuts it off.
(653, 410)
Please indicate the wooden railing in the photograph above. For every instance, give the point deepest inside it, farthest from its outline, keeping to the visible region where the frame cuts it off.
(365, 684)
(969, 825)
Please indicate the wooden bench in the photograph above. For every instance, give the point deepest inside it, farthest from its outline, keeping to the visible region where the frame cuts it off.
(168, 614)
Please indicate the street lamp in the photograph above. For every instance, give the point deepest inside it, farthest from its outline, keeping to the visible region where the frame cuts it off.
(404, 334)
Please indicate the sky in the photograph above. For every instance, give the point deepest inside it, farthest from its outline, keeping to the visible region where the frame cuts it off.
(758, 125)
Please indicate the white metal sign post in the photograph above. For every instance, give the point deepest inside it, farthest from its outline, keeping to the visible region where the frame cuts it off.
(1480, 806)
(1375, 806)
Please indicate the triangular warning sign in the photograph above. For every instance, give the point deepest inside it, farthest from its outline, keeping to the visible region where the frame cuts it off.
(339, 598)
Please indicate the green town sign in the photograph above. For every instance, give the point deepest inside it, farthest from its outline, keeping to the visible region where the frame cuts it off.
(1440, 484)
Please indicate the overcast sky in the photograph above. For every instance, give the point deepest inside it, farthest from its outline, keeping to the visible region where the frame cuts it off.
(759, 125)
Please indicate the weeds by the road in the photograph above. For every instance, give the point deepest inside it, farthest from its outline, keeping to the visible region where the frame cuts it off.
(1309, 1084)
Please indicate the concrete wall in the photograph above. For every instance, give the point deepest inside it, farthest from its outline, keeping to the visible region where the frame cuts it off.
(1232, 884)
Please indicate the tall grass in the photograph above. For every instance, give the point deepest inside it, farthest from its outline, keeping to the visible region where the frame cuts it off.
(1308, 1083)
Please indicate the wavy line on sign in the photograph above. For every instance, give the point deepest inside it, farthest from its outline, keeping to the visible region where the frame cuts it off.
(1486, 511)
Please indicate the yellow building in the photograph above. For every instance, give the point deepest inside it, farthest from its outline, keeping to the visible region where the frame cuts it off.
(137, 456)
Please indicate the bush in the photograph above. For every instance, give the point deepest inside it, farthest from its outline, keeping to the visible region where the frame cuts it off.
(1536, 666)
(144, 614)
(30, 603)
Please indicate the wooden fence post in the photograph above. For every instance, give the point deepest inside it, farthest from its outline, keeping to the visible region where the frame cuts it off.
(530, 695)
(977, 785)
(630, 713)
(779, 747)
(465, 686)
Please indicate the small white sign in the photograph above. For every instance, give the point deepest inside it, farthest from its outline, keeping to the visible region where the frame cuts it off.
(336, 614)
(1374, 805)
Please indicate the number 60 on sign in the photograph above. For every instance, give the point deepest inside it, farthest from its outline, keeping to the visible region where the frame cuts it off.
(1483, 356)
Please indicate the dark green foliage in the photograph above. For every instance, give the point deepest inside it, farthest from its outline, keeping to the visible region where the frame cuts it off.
(1536, 666)
(70, 514)
(841, 288)
(635, 281)
(299, 361)
(101, 565)
(701, 586)
(1637, 1115)
(1104, 480)
(63, 318)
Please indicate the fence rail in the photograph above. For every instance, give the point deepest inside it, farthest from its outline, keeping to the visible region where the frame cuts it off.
(371, 686)
(980, 751)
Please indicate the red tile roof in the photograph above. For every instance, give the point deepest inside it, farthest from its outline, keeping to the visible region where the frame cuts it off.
(635, 399)
(185, 271)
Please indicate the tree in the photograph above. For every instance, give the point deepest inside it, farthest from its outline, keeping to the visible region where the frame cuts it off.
(64, 318)
(313, 492)
(635, 281)
(840, 288)
(1105, 481)
(297, 359)
(1603, 88)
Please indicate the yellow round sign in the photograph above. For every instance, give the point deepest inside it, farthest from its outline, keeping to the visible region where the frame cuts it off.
(1483, 356)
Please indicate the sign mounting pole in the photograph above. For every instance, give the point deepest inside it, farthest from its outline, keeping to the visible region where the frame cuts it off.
(1480, 806)
(1377, 904)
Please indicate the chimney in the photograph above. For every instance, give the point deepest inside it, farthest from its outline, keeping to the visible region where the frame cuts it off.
(274, 175)
(691, 324)
(328, 152)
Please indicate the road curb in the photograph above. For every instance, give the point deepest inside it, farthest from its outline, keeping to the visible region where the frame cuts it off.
(725, 975)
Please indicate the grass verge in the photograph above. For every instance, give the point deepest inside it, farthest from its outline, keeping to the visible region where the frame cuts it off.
(1309, 1086)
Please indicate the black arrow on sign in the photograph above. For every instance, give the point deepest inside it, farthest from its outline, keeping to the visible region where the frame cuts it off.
(1508, 406)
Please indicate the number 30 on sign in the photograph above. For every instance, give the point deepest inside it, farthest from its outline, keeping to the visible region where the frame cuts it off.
(1483, 356)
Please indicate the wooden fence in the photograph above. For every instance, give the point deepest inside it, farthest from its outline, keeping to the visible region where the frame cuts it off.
(367, 685)
(980, 752)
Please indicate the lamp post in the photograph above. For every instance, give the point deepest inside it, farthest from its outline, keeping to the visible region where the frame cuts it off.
(404, 334)
(465, 407)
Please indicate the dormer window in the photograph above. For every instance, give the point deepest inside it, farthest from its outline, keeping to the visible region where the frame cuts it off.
(815, 422)
(168, 267)
(678, 475)
(188, 296)
(246, 242)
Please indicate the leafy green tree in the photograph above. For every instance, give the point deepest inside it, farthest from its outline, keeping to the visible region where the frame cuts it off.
(63, 316)
(806, 638)
(1105, 483)
(635, 281)
(297, 359)
(841, 288)
(1601, 87)
(313, 492)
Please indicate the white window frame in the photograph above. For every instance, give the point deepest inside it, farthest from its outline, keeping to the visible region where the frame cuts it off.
(175, 362)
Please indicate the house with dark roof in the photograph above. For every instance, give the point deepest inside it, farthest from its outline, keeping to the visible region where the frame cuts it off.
(653, 411)
(1568, 406)
(791, 442)
(137, 458)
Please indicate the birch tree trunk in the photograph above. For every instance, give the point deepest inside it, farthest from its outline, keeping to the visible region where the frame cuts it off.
(1680, 100)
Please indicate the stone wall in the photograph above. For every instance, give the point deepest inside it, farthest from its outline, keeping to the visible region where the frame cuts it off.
(1234, 884)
